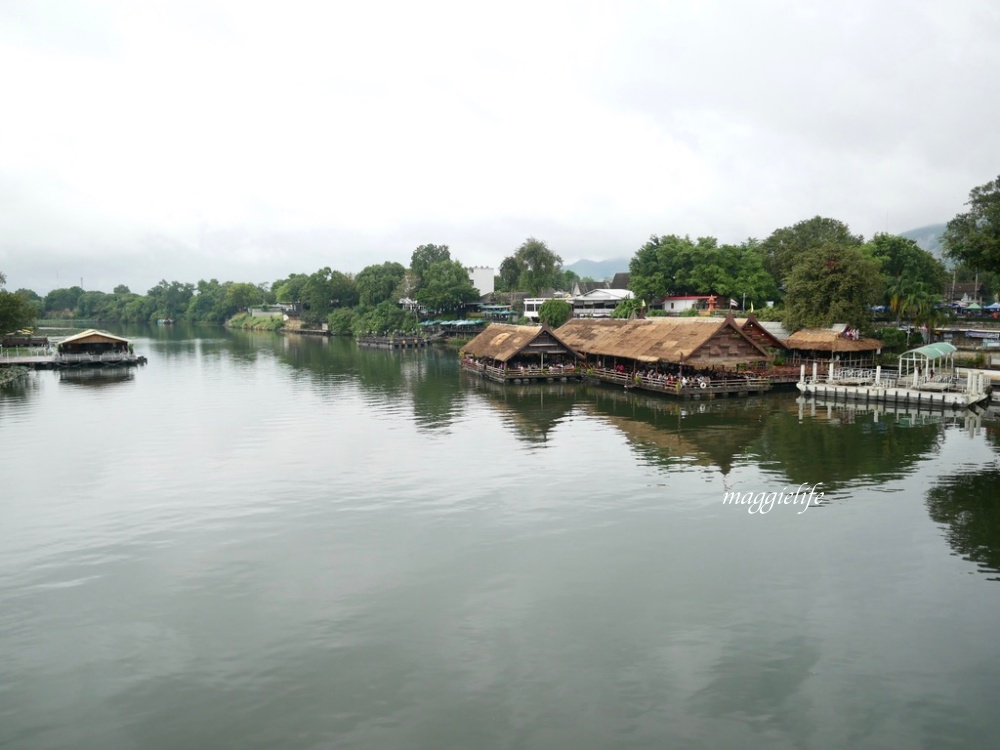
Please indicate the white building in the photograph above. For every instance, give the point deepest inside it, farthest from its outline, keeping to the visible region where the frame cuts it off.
(482, 278)
(598, 303)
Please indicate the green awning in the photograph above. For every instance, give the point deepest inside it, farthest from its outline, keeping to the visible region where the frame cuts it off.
(932, 351)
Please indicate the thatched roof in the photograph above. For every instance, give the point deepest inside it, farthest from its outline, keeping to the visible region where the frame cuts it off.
(673, 340)
(763, 332)
(502, 342)
(827, 340)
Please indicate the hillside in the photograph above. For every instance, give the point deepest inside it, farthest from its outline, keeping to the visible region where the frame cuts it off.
(928, 238)
(599, 270)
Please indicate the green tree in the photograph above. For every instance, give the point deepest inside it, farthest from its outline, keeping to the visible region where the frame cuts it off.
(424, 257)
(446, 286)
(170, 299)
(832, 283)
(377, 283)
(785, 246)
(973, 237)
(510, 273)
(554, 312)
(566, 279)
(62, 301)
(384, 318)
(16, 310)
(537, 268)
(325, 290)
(290, 290)
(122, 289)
(627, 308)
(241, 296)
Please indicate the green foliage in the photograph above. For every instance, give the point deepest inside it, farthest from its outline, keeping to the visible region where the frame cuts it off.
(424, 257)
(248, 322)
(532, 268)
(565, 280)
(382, 319)
(973, 237)
(325, 290)
(627, 308)
(446, 287)
(341, 321)
(16, 310)
(785, 246)
(892, 339)
(554, 312)
(376, 283)
(62, 300)
(510, 273)
(913, 277)
(672, 264)
(833, 283)
(170, 299)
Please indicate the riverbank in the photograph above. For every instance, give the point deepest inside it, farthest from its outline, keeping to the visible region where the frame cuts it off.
(248, 322)
(10, 375)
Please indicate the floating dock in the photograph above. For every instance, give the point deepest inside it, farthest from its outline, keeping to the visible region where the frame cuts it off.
(392, 342)
(944, 390)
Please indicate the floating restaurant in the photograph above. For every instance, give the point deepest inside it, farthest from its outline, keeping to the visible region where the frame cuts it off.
(509, 353)
(685, 357)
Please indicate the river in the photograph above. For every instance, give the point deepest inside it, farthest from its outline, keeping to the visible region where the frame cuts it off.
(258, 541)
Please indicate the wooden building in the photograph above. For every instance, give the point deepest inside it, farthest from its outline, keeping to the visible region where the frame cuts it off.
(825, 344)
(678, 356)
(514, 353)
(763, 335)
(92, 341)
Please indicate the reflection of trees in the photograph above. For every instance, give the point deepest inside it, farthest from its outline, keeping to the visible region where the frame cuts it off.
(668, 432)
(429, 376)
(436, 388)
(532, 410)
(968, 506)
(818, 450)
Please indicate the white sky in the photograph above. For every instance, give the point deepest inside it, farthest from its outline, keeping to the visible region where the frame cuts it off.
(244, 140)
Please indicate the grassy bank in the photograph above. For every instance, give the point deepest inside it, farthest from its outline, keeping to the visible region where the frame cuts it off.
(248, 322)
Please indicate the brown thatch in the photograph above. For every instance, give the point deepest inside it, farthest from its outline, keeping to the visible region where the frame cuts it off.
(502, 342)
(827, 340)
(670, 340)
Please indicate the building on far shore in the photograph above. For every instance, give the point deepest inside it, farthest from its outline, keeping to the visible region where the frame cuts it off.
(482, 278)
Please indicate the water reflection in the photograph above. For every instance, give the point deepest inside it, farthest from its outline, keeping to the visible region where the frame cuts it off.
(669, 432)
(532, 411)
(968, 507)
(839, 444)
(97, 377)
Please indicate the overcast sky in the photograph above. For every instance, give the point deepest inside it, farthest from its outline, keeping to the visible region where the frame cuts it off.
(245, 141)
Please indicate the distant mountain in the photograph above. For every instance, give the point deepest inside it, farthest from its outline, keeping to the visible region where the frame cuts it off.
(598, 270)
(928, 238)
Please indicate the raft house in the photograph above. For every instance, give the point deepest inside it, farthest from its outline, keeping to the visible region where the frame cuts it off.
(926, 378)
(681, 357)
(508, 353)
(90, 348)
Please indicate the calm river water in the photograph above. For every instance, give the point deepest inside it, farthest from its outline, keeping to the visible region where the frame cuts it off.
(267, 542)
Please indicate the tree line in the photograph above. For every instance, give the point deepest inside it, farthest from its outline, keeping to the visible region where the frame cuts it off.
(816, 272)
